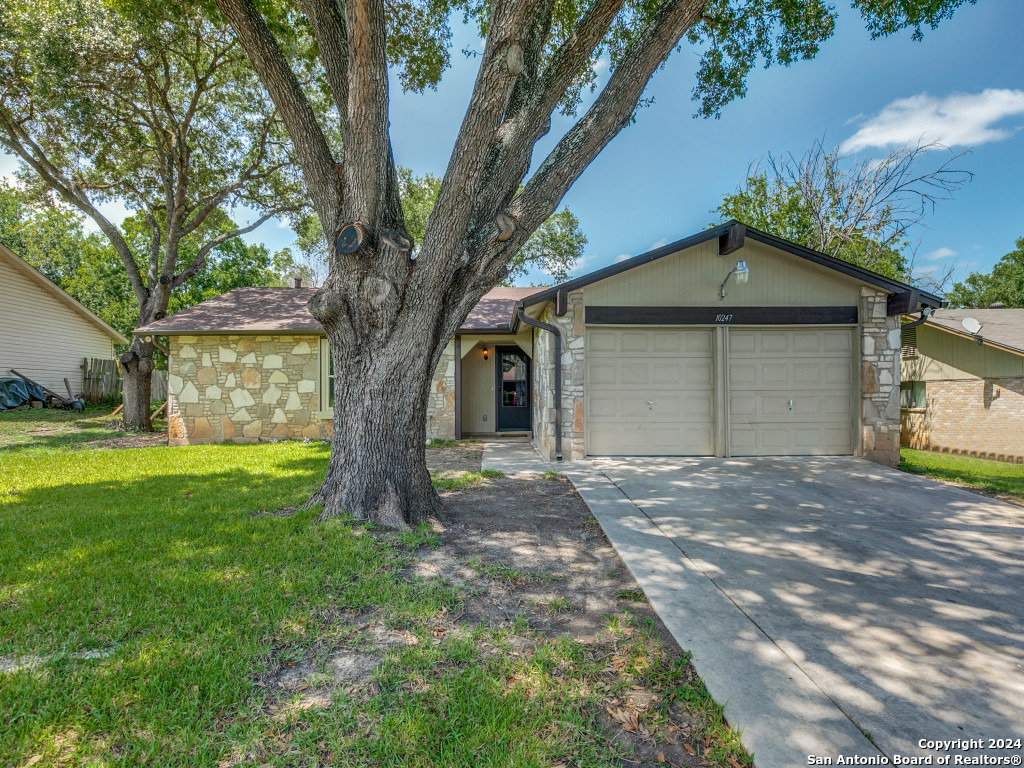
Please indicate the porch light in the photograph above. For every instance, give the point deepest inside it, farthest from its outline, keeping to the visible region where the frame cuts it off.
(485, 353)
(742, 275)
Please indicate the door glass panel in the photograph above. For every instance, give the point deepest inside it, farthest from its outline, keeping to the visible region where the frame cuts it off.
(513, 367)
(513, 394)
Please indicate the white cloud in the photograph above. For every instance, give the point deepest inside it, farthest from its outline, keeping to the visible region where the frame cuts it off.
(622, 257)
(939, 254)
(960, 119)
(659, 243)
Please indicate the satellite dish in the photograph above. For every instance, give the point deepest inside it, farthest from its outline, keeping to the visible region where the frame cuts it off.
(972, 325)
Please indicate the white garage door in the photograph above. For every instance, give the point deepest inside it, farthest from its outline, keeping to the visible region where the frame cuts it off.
(791, 392)
(649, 392)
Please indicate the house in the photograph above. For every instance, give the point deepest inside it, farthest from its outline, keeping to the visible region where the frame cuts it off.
(962, 387)
(46, 334)
(731, 342)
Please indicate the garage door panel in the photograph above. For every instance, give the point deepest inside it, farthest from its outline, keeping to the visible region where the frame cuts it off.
(660, 399)
(791, 392)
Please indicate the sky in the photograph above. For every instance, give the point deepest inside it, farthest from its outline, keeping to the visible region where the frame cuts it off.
(661, 178)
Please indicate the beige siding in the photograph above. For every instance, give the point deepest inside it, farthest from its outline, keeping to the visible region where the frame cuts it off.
(944, 356)
(692, 278)
(478, 378)
(41, 336)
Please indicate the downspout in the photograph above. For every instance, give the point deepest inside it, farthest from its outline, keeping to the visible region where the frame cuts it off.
(553, 330)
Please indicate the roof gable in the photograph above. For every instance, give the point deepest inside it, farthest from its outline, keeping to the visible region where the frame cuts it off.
(58, 293)
(730, 236)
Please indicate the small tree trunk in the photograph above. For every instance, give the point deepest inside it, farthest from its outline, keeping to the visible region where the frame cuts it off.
(137, 377)
(377, 470)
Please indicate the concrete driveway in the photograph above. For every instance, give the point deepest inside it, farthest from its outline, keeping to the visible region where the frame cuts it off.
(830, 596)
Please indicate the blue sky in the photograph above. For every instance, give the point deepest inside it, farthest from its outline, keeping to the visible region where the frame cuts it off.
(660, 178)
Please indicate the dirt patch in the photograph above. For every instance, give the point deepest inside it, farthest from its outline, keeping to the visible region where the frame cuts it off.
(532, 567)
(130, 440)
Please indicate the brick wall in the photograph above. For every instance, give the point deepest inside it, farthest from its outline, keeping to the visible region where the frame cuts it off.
(972, 417)
(880, 379)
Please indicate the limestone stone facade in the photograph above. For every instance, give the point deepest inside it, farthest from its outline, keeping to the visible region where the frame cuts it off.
(880, 379)
(441, 403)
(244, 389)
(573, 369)
(970, 417)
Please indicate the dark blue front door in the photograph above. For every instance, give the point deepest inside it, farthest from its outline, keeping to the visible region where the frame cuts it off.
(513, 388)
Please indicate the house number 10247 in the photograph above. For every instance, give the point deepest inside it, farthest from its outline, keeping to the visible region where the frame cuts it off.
(723, 318)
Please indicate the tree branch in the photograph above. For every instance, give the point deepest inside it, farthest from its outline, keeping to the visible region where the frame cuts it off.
(314, 154)
(15, 139)
(330, 32)
(200, 260)
(609, 114)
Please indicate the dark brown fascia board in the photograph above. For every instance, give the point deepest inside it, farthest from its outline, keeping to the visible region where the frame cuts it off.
(844, 267)
(503, 331)
(984, 341)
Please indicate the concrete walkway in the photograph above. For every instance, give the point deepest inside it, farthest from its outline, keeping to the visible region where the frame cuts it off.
(804, 593)
(513, 456)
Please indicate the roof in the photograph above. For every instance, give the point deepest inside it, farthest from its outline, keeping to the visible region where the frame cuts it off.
(845, 267)
(286, 310)
(243, 310)
(999, 327)
(496, 309)
(54, 290)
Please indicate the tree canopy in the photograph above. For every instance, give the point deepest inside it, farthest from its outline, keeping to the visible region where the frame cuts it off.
(155, 108)
(1005, 283)
(864, 212)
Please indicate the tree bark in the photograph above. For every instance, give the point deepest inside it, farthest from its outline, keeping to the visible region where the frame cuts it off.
(137, 377)
(378, 467)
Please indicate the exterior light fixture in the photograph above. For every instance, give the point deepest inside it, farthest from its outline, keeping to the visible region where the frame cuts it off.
(485, 353)
(742, 276)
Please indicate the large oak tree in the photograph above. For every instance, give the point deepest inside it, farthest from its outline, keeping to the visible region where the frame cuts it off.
(154, 108)
(388, 316)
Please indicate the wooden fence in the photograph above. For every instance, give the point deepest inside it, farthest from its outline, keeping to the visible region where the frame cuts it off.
(101, 382)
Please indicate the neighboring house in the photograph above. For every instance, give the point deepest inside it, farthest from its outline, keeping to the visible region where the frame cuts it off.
(656, 357)
(963, 392)
(46, 334)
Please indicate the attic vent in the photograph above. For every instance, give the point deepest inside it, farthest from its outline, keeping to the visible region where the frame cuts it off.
(909, 341)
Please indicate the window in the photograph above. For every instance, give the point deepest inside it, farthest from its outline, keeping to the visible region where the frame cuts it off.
(908, 341)
(913, 394)
(326, 380)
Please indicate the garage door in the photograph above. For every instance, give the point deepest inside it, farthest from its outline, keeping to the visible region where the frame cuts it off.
(791, 392)
(649, 392)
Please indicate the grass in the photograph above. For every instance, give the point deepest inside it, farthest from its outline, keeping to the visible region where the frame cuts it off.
(41, 431)
(459, 480)
(154, 560)
(995, 478)
(550, 475)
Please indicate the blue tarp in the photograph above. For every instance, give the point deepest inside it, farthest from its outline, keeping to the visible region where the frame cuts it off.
(15, 392)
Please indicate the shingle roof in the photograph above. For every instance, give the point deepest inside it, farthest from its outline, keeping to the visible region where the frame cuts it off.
(496, 309)
(1001, 327)
(284, 310)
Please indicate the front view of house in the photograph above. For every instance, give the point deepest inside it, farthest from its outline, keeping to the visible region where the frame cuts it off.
(728, 343)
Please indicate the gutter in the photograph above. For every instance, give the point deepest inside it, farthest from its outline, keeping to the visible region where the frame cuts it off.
(520, 316)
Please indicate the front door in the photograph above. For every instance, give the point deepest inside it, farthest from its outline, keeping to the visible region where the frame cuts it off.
(513, 388)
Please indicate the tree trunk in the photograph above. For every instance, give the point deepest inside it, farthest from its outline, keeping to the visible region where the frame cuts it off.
(377, 470)
(137, 376)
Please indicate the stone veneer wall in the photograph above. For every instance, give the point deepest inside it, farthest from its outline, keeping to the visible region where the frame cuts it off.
(880, 379)
(970, 417)
(573, 367)
(244, 389)
(441, 402)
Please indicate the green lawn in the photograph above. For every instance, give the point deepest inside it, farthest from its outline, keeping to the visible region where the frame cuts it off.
(40, 431)
(149, 600)
(991, 477)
